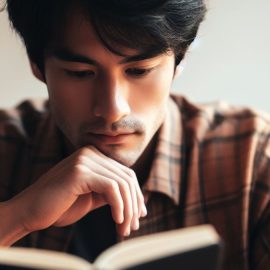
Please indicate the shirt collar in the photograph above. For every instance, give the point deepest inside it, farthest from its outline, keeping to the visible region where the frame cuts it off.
(165, 173)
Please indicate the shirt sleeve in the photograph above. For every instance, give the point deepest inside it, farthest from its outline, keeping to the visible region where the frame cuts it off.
(259, 247)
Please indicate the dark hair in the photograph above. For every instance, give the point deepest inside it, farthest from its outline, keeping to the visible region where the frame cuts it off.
(152, 26)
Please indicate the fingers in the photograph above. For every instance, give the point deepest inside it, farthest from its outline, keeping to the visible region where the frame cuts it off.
(124, 172)
(129, 188)
(111, 192)
(142, 212)
(139, 208)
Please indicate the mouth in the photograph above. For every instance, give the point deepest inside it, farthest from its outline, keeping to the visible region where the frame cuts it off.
(111, 138)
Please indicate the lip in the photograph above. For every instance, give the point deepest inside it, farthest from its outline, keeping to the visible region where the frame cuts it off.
(111, 138)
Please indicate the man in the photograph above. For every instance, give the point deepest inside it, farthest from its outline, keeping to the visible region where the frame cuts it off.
(112, 155)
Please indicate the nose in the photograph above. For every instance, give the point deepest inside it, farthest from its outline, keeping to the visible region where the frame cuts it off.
(111, 101)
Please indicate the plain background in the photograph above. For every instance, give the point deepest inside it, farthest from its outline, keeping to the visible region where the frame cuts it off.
(229, 61)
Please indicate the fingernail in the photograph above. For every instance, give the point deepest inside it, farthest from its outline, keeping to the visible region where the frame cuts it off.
(127, 232)
(120, 219)
(136, 225)
(144, 211)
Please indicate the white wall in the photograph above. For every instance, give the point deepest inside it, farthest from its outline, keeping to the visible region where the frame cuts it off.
(16, 79)
(231, 60)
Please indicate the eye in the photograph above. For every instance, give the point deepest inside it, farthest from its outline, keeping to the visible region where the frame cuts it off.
(138, 72)
(80, 74)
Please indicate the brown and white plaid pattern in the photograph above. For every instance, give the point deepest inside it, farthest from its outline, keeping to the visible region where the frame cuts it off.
(212, 165)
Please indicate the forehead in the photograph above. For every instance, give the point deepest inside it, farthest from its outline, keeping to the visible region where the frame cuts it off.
(77, 32)
(79, 28)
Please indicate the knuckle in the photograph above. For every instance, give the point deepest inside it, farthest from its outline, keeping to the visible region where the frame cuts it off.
(128, 216)
(135, 214)
(125, 186)
(131, 173)
(80, 159)
(79, 168)
(120, 207)
(130, 183)
(141, 198)
(86, 150)
(89, 148)
(82, 151)
(112, 187)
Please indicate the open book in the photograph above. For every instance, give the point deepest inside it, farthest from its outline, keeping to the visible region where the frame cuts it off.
(186, 249)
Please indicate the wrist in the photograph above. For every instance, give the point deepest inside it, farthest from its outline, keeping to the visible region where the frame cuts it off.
(11, 230)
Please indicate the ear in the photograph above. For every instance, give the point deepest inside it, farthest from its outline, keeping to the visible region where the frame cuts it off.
(37, 72)
(177, 72)
(179, 69)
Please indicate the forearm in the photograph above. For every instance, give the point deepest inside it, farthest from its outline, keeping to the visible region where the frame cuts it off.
(10, 228)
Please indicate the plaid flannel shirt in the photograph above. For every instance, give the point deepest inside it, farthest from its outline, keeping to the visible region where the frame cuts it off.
(211, 165)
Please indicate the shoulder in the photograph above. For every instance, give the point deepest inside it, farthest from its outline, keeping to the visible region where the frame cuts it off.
(233, 143)
(221, 120)
(22, 121)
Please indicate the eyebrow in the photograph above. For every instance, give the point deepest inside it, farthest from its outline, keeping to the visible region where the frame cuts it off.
(70, 56)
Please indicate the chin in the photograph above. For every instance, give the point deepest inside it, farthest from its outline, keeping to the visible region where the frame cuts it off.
(126, 157)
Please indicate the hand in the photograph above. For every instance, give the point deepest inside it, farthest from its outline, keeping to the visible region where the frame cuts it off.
(82, 182)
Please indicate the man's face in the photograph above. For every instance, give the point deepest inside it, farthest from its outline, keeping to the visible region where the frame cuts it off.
(99, 98)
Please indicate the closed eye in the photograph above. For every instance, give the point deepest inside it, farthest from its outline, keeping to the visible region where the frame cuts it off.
(138, 72)
(80, 74)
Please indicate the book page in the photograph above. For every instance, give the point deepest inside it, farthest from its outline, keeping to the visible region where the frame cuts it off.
(42, 259)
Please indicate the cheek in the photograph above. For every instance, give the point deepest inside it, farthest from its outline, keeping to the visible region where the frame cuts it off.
(67, 102)
(149, 102)
(68, 98)
(61, 92)
(149, 97)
